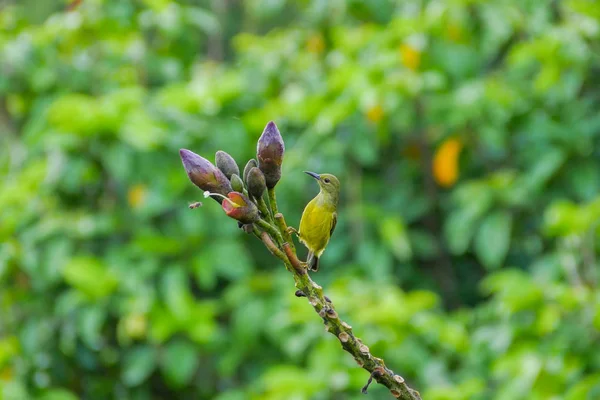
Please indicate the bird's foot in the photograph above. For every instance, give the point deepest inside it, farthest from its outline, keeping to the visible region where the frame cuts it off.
(291, 229)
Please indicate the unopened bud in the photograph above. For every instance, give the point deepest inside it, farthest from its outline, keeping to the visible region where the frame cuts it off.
(226, 164)
(204, 174)
(256, 183)
(238, 206)
(249, 165)
(236, 183)
(270, 151)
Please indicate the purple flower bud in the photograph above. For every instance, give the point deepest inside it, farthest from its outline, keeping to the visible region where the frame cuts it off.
(226, 164)
(241, 208)
(256, 183)
(270, 151)
(204, 174)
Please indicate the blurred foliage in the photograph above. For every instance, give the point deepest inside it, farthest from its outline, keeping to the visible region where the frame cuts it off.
(467, 138)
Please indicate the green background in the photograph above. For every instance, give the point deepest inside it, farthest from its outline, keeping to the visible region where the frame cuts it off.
(466, 135)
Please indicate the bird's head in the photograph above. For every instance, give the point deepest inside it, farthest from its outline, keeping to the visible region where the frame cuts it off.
(329, 183)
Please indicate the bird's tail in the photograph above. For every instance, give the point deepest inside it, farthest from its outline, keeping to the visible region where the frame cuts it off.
(312, 261)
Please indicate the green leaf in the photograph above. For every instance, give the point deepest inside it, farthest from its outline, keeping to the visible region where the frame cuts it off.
(395, 237)
(138, 365)
(229, 259)
(564, 218)
(89, 276)
(179, 362)
(282, 380)
(90, 322)
(459, 230)
(587, 388)
(493, 239)
(544, 168)
(425, 244)
(9, 347)
(57, 394)
(176, 294)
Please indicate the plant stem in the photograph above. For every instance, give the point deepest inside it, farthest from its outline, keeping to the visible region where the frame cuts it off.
(262, 206)
(350, 343)
(283, 228)
(273, 201)
(271, 230)
(326, 310)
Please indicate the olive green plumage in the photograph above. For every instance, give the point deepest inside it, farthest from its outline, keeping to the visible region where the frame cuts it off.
(319, 218)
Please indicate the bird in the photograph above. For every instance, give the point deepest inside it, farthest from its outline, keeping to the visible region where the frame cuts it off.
(319, 218)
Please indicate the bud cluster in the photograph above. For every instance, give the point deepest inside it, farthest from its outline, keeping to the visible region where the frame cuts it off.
(240, 196)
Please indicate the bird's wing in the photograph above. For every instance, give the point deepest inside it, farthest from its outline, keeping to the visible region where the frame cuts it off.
(333, 223)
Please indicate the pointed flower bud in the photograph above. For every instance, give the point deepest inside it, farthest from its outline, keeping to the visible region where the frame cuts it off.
(205, 175)
(226, 164)
(239, 206)
(251, 164)
(256, 183)
(270, 151)
(236, 183)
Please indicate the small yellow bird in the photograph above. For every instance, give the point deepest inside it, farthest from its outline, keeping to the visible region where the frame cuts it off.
(319, 218)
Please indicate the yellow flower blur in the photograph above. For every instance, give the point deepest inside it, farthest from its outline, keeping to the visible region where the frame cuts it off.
(445, 162)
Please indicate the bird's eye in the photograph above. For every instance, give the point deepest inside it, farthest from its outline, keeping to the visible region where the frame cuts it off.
(326, 180)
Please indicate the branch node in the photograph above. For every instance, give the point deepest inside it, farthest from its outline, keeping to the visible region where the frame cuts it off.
(299, 293)
(327, 299)
(363, 348)
(345, 325)
(398, 379)
(313, 301)
(285, 230)
(344, 337)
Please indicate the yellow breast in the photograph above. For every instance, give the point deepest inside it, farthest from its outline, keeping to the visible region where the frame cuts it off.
(315, 226)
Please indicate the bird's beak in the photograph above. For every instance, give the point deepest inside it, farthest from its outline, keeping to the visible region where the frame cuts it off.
(314, 175)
